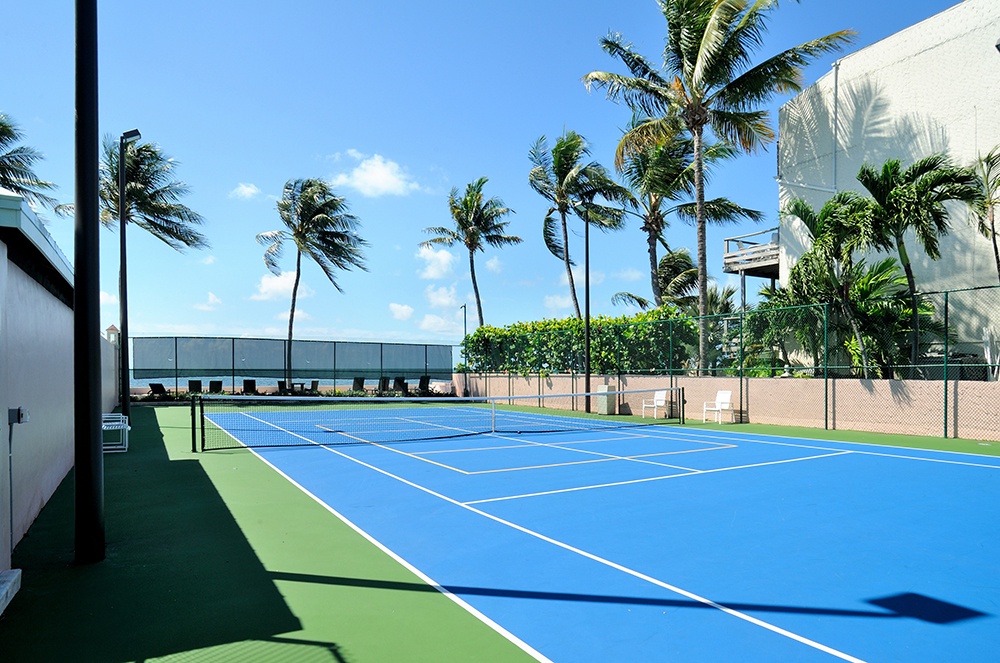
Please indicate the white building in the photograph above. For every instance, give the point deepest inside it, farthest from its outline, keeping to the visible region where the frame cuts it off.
(934, 87)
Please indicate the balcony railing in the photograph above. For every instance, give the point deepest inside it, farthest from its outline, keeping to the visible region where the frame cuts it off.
(755, 254)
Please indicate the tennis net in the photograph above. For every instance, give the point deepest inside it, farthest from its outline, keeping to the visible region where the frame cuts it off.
(228, 422)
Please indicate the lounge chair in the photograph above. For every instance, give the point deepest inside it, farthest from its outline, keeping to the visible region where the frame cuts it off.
(314, 386)
(194, 386)
(215, 386)
(281, 383)
(659, 400)
(383, 385)
(399, 384)
(424, 386)
(249, 387)
(359, 384)
(723, 401)
(157, 390)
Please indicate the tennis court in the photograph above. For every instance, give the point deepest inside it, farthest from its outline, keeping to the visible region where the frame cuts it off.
(613, 541)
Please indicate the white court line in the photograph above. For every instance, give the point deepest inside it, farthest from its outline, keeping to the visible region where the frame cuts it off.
(730, 436)
(648, 479)
(389, 448)
(565, 546)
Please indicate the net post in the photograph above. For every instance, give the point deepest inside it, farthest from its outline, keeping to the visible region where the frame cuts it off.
(201, 416)
(194, 426)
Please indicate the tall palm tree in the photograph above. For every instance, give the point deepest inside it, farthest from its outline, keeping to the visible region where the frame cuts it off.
(662, 174)
(710, 82)
(151, 195)
(572, 186)
(913, 199)
(318, 223)
(17, 166)
(987, 170)
(477, 222)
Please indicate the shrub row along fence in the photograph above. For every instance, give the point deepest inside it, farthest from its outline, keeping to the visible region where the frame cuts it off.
(177, 357)
(897, 358)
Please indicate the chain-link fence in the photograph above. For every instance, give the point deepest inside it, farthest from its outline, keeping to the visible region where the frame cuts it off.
(924, 365)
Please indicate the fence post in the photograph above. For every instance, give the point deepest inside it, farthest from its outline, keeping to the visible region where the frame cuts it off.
(826, 367)
(742, 372)
(945, 371)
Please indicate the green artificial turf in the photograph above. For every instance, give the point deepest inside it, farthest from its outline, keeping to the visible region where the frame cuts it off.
(215, 557)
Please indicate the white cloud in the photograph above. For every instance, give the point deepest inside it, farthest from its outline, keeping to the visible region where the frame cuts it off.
(438, 262)
(244, 191)
(558, 302)
(493, 264)
(108, 298)
(630, 274)
(279, 287)
(300, 316)
(438, 325)
(443, 297)
(376, 176)
(210, 305)
(207, 260)
(401, 311)
(596, 278)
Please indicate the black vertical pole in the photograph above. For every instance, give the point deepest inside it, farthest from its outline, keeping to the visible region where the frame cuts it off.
(586, 313)
(89, 458)
(123, 285)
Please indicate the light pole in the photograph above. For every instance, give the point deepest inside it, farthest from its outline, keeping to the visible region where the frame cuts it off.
(123, 142)
(465, 350)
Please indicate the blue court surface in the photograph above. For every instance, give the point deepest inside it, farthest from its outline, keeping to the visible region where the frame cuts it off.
(673, 543)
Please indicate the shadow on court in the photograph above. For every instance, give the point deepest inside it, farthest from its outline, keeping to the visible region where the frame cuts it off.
(906, 605)
(179, 574)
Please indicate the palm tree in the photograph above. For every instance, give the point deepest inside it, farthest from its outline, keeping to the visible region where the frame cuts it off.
(709, 81)
(914, 199)
(317, 222)
(16, 166)
(151, 194)
(662, 173)
(826, 271)
(572, 186)
(477, 222)
(676, 281)
(987, 171)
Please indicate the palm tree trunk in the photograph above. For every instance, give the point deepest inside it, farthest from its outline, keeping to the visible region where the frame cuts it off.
(654, 269)
(699, 192)
(475, 286)
(993, 234)
(569, 267)
(911, 283)
(291, 320)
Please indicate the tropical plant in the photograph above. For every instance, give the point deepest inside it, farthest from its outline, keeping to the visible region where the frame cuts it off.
(17, 166)
(661, 177)
(318, 223)
(477, 222)
(987, 171)
(676, 278)
(824, 272)
(151, 194)
(913, 199)
(572, 186)
(710, 83)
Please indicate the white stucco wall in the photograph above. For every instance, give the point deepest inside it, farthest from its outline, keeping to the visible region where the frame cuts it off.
(36, 369)
(934, 87)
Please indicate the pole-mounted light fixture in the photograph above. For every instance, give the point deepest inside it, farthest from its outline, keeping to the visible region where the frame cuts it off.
(126, 138)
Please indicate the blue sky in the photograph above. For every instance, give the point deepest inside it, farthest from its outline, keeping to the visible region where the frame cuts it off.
(395, 103)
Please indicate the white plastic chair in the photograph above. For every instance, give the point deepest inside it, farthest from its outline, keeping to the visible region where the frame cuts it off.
(723, 401)
(659, 400)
